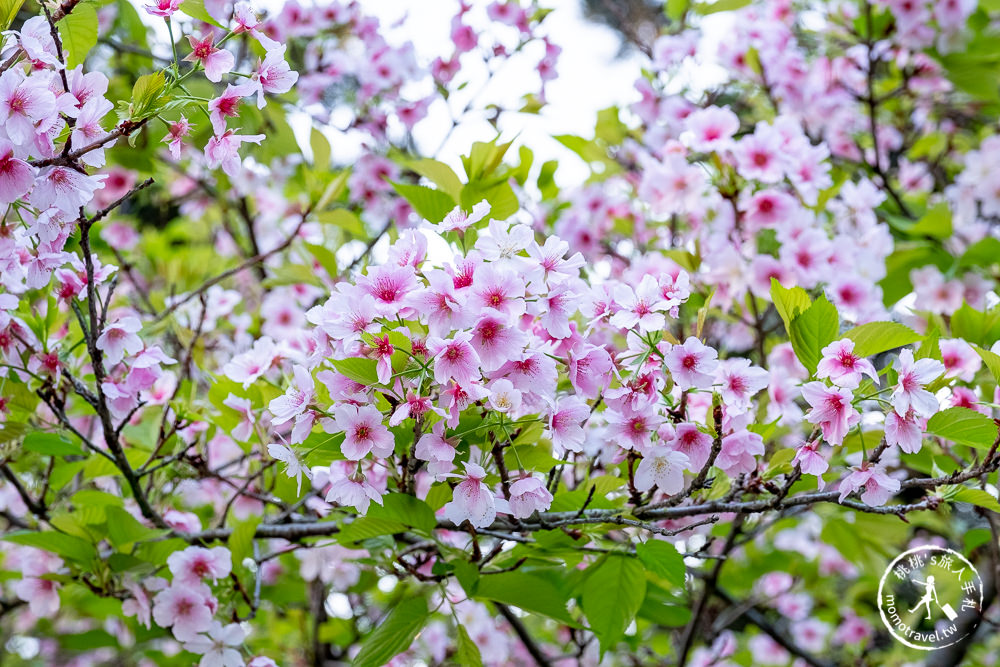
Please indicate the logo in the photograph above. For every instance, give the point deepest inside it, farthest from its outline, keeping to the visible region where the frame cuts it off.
(930, 597)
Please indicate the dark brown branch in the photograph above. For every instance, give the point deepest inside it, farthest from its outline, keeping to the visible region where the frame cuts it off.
(522, 632)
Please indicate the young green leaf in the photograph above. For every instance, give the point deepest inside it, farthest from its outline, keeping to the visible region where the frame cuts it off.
(964, 427)
(876, 337)
(812, 330)
(393, 634)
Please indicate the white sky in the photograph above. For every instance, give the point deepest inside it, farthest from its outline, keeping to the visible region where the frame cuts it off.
(591, 78)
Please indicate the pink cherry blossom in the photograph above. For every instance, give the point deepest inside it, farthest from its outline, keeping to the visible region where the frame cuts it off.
(504, 397)
(691, 364)
(458, 220)
(641, 308)
(711, 129)
(119, 339)
(878, 486)
(740, 381)
(906, 431)
(16, 176)
(662, 467)
(472, 501)
(696, 444)
(246, 21)
(738, 453)
(64, 188)
(810, 461)
(296, 398)
(23, 103)
(273, 75)
(195, 564)
(565, 425)
(959, 359)
(35, 37)
(843, 366)
(247, 367)
(363, 431)
(175, 136)
(165, 8)
(909, 392)
(590, 370)
(216, 61)
(224, 150)
(293, 466)
(831, 410)
(634, 430)
(184, 609)
(353, 491)
(219, 646)
(496, 341)
(454, 359)
(434, 448)
(224, 106)
(528, 495)
(245, 428)
(42, 595)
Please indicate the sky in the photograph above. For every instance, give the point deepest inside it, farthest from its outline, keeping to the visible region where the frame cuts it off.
(592, 77)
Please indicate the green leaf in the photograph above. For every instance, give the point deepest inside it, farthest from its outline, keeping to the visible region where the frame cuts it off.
(124, 529)
(503, 202)
(345, 220)
(978, 497)
(67, 546)
(51, 444)
(359, 370)
(935, 223)
(332, 192)
(991, 359)
(196, 10)
(466, 652)
(876, 337)
(368, 527)
(326, 258)
(12, 431)
(528, 591)
(789, 302)
(612, 594)
(483, 159)
(984, 253)
(976, 326)
(406, 510)
(662, 559)
(8, 11)
(440, 174)
(145, 93)
(706, 8)
(432, 205)
(78, 31)
(320, 147)
(964, 427)
(241, 539)
(393, 634)
(812, 330)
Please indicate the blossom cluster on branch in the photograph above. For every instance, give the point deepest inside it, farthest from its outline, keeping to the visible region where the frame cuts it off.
(259, 406)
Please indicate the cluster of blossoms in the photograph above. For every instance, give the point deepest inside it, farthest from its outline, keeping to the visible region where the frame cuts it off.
(754, 305)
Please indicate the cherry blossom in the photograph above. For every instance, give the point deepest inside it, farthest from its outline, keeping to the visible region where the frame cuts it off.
(194, 564)
(909, 393)
(662, 467)
(473, 501)
(691, 364)
(218, 647)
(831, 410)
(119, 339)
(527, 496)
(878, 486)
